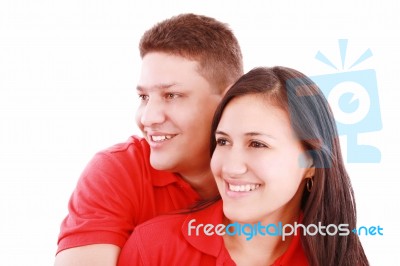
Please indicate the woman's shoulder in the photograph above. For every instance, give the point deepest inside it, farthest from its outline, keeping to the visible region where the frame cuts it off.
(165, 240)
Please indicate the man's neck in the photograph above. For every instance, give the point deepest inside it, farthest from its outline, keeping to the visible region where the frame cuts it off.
(203, 183)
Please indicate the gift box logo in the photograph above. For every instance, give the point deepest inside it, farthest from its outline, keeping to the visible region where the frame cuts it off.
(353, 98)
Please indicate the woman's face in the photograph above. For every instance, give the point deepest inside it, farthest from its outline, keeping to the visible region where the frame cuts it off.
(258, 163)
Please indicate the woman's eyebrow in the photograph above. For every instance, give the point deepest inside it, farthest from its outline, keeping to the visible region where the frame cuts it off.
(251, 134)
(219, 132)
(259, 134)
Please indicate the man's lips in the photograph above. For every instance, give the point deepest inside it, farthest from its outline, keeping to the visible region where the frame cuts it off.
(159, 138)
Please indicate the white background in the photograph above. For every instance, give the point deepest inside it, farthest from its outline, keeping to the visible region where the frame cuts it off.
(68, 71)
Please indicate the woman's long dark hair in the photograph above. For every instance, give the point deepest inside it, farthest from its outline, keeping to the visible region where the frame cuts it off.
(331, 200)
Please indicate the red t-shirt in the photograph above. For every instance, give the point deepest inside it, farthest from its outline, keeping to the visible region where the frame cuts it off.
(165, 240)
(117, 191)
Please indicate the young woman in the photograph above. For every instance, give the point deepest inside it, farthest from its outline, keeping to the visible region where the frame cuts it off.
(286, 196)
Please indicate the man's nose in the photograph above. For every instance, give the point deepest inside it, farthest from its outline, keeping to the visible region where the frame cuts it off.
(153, 113)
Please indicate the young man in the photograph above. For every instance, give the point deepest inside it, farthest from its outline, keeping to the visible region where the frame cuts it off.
(188, 62)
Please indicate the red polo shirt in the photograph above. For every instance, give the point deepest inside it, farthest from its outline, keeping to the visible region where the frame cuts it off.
(117, 191)
(165, 241)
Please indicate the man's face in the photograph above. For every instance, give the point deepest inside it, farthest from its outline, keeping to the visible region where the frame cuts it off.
(175, 113)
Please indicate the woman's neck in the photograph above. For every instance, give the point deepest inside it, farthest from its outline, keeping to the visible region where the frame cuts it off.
(260, 249)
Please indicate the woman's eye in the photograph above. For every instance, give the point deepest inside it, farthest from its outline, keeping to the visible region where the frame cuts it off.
(221, 142)
(256, 144)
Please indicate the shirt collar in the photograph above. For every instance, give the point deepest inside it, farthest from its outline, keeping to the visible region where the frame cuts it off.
(212, 244)
(164, 178)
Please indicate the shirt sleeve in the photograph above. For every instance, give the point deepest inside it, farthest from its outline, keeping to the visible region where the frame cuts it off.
(103, 206)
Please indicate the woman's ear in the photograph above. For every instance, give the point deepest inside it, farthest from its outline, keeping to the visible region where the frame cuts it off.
(307, 162)
(310, 172)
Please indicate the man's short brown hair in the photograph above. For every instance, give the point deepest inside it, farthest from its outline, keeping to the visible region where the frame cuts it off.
(209, 42)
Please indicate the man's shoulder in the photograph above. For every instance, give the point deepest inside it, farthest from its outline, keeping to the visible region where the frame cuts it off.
(170, 220)
(129, 159)
(172, 223)
(133, 145)
(135, 152)
(165, 228)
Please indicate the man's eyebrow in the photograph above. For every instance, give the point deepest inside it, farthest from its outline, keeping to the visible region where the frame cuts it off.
(160, 86)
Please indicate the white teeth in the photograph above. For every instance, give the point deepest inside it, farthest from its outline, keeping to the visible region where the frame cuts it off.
(161, 138)
(243, 188)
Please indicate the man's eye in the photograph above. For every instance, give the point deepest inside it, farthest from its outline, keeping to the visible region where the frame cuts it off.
(170, 96)
(143, 97)
(257, 144)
